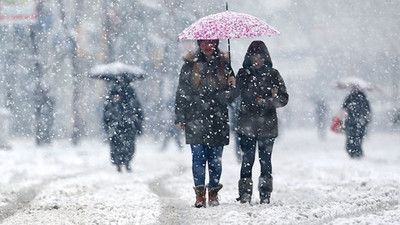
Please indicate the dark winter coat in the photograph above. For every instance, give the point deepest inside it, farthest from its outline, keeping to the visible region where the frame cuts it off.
(123, 117)
(201, 102)
(259, 119)
(358, 112)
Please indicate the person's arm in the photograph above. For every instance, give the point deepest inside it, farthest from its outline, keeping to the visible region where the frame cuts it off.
(181, 96)
(139, 117)
(235, 92)
(279, 97)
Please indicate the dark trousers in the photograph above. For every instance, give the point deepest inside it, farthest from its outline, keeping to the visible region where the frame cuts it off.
(122, 148)
(248, 146)
(354, 139)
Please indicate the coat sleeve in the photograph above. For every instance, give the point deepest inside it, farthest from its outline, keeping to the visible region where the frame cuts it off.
(138, 123)
(235, 92)
(225, 95)
(108, 122)
(282, 97)
(182, 94)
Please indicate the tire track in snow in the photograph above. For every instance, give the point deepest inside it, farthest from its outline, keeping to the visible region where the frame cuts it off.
(364, 211)
(25, 196)
(173, 211)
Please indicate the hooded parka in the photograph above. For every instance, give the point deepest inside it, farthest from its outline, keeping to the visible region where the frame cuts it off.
(262, 90)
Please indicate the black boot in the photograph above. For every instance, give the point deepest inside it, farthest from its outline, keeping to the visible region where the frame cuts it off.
(265, 189)
(245, 190)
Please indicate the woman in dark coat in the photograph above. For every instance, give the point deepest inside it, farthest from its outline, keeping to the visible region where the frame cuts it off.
(358, 117)
(262, 90)
(123, 118)
(201, 109)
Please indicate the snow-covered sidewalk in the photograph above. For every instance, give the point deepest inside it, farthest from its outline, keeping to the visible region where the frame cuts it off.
(315, 182)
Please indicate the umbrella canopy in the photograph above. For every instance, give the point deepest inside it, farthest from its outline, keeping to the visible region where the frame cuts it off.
(227, 25)
(350, 83)
(113, 71)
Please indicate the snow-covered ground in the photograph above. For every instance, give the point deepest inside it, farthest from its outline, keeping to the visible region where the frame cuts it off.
(315, 182)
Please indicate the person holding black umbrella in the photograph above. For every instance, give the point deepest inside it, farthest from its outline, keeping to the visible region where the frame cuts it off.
(201, 109)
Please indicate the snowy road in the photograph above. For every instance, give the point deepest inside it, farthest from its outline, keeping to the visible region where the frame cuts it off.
(315, 183)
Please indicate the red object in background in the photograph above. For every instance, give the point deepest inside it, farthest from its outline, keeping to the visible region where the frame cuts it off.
(336, 124)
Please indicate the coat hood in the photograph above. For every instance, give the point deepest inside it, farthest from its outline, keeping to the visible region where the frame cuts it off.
(257, 47)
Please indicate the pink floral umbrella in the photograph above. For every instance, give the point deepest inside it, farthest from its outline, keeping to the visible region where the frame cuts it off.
(227, 25)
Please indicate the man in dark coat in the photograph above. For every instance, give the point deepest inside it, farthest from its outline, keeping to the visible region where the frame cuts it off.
(201, 108)
(262, 90)
(358, 112)
(123, 119)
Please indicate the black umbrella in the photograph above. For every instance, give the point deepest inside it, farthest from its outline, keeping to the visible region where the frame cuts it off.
(117, 70)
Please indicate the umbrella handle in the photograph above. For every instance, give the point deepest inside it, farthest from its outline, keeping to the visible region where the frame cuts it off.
(229, 51)
(229, 42)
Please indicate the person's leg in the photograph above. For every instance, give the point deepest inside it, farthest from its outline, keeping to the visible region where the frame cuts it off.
(358, 139)
(248, 147)
(352, 142)
(265, 146)
(245, 184)
(116, 145)
(199, 170)
(214, 157)
(349, 145)
(129, 149)
(198, 164)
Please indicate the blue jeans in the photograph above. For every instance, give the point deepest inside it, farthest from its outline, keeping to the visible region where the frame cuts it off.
(201, 154)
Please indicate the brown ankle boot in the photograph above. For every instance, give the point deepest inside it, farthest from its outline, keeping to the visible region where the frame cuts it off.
(213, 195)
(200, 196)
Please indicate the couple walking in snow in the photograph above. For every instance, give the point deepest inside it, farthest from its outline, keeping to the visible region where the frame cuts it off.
(207, 85)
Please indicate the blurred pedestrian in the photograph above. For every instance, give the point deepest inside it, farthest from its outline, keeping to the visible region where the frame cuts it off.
(358, 116)
(44, 114)
(396, 117)
(170, 130)
(234, 113)
(262, 90)
(321, 115)
(201, 109)
(123, 119)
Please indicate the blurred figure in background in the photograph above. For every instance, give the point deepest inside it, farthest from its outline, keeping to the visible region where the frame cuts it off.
(170, 130)
(358, 116)
(123, 119)
(5, 116)
(321, 116)
(44, 114)
(396, 117)
(234, 113)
